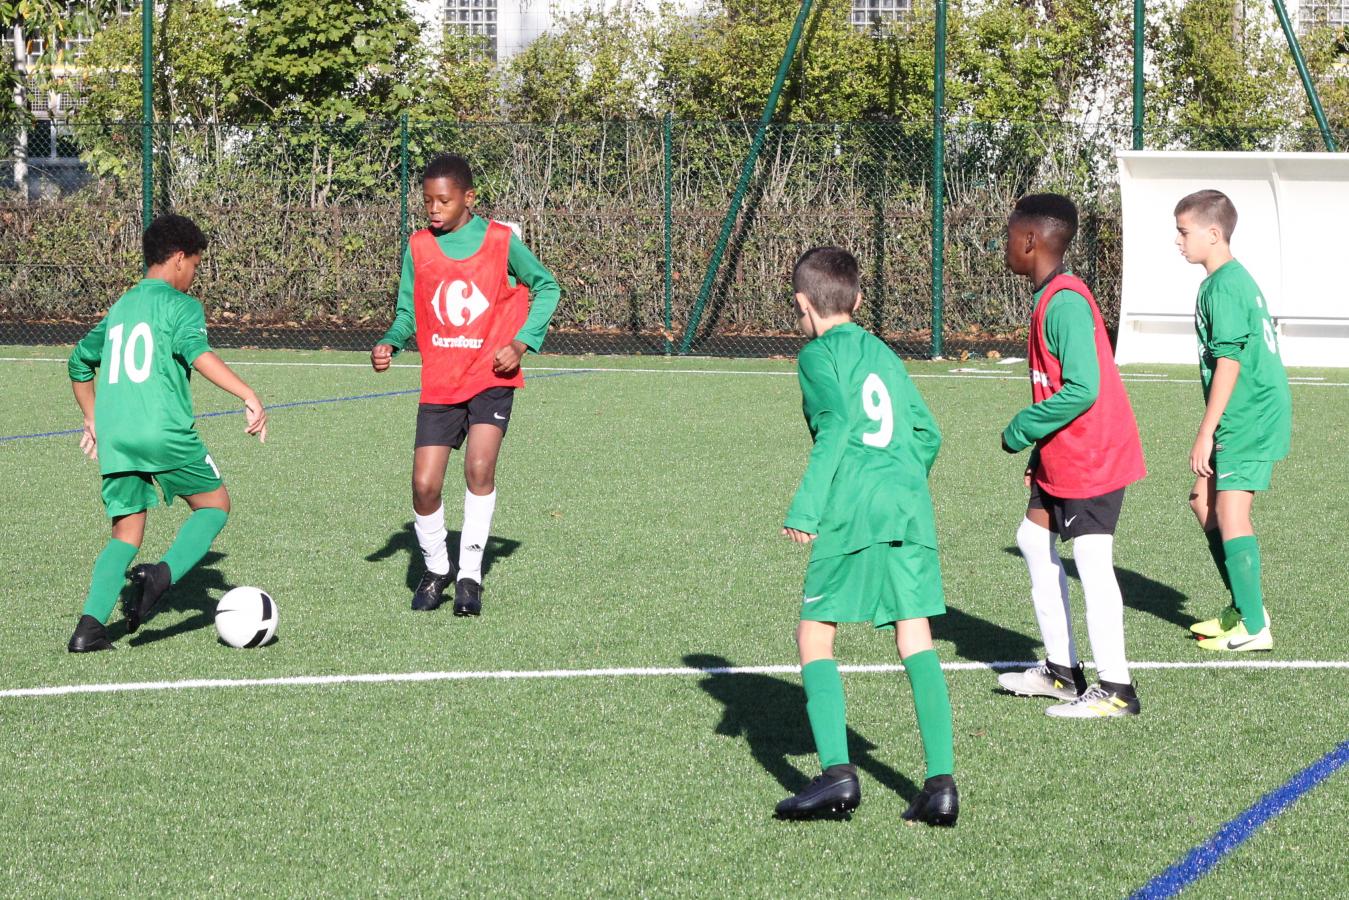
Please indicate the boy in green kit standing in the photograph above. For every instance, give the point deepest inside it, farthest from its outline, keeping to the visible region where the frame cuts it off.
(1248, 417)
(138, 424)
(864, 507)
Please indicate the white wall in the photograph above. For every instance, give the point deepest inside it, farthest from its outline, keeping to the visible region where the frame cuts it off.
(1290, 234)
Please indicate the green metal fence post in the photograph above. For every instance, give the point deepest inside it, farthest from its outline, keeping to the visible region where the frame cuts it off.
(938, 176)
(746, 171)
(403, 185)
(667, 140)
(1140, 19)
(147, 113)
(1307, 84)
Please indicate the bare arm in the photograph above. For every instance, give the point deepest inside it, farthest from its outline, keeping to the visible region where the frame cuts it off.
(1225, 374)
(214, 370)
(84, 396)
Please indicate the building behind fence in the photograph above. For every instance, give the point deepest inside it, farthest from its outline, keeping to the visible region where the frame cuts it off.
(308, 225)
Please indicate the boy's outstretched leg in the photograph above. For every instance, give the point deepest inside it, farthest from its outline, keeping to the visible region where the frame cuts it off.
(1114, 695)
(1060, 676)
(106, 583)
(836, 791)
(1242, 553)
(428, 480)
(938, 803)
(1204, 504)
(210, 511)
(480, 500)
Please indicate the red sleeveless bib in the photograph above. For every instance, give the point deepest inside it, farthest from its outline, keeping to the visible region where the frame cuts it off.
(1099, 451)
(466, 311)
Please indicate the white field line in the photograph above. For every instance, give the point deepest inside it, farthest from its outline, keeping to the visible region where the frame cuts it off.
(1139, 377)
(645, 672)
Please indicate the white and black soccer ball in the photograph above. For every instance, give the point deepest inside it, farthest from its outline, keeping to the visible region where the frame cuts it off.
(246, 617)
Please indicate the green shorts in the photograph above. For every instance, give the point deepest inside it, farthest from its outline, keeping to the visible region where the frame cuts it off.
(125, 493)
(1241, 474)
(880, 584)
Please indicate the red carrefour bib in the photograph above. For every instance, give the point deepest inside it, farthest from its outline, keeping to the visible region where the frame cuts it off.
(466, 311)
(1099, 451)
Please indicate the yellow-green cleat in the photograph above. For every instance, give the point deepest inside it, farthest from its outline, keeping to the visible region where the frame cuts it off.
(1221, 626)
(1239, 641)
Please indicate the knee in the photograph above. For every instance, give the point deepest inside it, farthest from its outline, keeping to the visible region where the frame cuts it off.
(426, 493)
(1201, 509)
(480, 474)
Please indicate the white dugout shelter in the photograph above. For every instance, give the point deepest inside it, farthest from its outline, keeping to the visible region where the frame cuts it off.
(1292, 234)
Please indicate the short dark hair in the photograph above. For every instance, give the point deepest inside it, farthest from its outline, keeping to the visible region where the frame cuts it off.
(1054, 214)
(829, 277)
(169, 234)
(1210, 207)
(451, 166)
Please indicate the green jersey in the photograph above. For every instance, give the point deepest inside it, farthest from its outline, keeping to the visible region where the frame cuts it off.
(1233, 322)
(143, 351)
(875, 442)
(522, 267)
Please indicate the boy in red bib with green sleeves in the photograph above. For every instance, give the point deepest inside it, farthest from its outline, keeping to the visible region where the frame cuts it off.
(476, 299)
(1087, 450)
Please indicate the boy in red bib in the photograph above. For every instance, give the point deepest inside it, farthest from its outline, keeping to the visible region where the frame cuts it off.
(1087, 450)
(477, 299)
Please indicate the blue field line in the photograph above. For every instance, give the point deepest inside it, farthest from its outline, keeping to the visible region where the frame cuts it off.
(239, 412)
(1197, 863)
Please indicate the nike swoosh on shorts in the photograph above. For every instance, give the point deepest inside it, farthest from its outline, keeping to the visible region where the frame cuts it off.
(1068, 523)
(812, 599)
(498, 416)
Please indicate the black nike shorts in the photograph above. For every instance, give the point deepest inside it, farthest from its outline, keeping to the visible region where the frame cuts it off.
(447, 424)
(1075, 517)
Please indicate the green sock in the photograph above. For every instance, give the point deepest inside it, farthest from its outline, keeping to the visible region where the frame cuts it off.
(193, 540)
(1215, 547)
(108, 578)
(824, 708)
(1243, 567)
(932, 705)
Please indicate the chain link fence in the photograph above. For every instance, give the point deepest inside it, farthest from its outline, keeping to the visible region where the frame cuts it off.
(308, 225)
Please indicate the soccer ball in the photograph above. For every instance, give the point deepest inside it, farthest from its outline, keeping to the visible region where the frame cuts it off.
(246, 617)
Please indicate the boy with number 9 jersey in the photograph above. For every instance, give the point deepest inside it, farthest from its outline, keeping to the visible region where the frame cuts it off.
(138, 424)
(864, 507)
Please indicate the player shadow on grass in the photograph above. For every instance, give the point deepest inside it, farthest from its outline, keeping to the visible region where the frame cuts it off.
(192, 593)
(980, 640)
(770, 714)
(405, 541)
(1141, 593)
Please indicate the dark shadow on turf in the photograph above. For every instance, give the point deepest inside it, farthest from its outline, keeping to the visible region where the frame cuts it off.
(405, 541)
(980, 640)
(1140, 592)
(192, 593)
(770, 714)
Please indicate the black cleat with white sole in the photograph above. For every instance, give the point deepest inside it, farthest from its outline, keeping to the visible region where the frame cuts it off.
(90, 635)
(835, 792)
(937, 803)
(154, 580)
(467, 597)
(430, 591)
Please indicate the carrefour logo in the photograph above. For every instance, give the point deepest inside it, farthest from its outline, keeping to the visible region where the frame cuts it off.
(459, 303)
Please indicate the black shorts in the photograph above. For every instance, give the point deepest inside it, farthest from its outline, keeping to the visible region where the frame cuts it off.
(1075, 517)
(446, 424)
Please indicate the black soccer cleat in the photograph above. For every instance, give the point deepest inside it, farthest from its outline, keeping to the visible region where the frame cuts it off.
(90, 635)
(835, 792)
(937, 803)
(430, 592)
(467, 597)
(153, 579)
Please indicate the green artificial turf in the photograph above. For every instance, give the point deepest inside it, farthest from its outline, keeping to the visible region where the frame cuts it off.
(636, 526)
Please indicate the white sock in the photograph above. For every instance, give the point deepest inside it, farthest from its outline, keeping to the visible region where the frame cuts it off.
(473, 538)
(1094, 554)
(1048, 591)
(431, 535)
